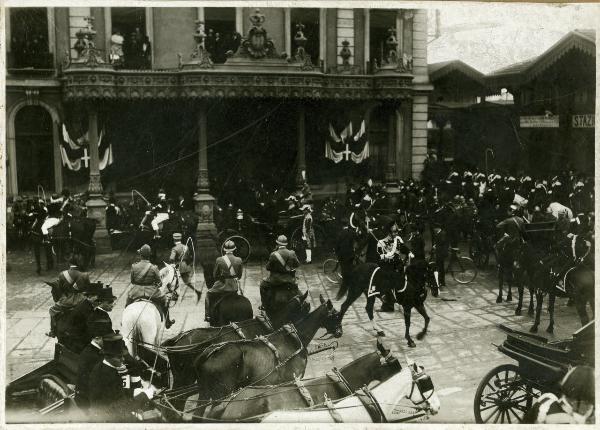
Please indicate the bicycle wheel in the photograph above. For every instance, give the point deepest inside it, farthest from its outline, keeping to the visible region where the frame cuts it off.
(331, 269)
(242, 247)
(463, 270)
(477, 252)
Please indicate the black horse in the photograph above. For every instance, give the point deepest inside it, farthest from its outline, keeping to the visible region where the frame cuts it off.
(232, 307)
(506, 253)
(372, 281)
(72, 236)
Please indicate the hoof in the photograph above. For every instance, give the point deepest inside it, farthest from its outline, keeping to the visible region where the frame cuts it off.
(509, 298)
(550, 329)
(380, 333)
(421, 335)
(533, 329)
(411, 344)
(518, 312)
(499, 299)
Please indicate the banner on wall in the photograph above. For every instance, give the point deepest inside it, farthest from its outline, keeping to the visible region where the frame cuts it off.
(347, 146)
(74, 153)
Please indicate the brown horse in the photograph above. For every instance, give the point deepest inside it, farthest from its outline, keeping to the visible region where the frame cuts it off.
(276, 358)
(370, 369)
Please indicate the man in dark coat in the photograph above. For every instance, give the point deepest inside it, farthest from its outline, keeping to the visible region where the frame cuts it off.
(227, 273)
(440, 251)
(89, 358)
(110, 396)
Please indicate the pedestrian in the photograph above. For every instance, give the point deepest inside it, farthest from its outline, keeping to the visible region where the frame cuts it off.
(308, 233)
(440, 253)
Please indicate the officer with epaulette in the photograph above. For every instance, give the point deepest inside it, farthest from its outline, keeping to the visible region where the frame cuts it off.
(146, 282)
(227, 273)
(282, 267)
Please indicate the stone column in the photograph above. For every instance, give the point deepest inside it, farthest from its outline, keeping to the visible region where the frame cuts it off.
(367, 35)
(239, 20)
(203, 201)
(301, 123)
(287, 27)
(390, 173)
(58, 179)
(96, 206)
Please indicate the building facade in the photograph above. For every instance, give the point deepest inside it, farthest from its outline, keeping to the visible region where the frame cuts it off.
(220, 93)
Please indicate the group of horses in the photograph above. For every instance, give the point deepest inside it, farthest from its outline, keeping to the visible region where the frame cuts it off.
(245, 370)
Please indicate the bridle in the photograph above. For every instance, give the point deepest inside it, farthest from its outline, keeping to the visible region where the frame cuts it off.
(423, 384)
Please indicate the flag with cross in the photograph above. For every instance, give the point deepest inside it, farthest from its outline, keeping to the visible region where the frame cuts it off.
(75, 152)
(347, 146)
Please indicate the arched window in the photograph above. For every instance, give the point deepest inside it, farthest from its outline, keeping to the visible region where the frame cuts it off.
(34, 149)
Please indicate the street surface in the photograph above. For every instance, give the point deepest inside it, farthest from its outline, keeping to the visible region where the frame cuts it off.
(457, 351)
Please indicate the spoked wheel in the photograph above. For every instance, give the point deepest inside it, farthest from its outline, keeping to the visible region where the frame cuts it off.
(242, 247)
(463, 270)
(477, 252)
(502, 396)
(331, 269)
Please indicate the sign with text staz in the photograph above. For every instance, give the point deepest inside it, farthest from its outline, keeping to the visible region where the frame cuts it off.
(539, 121)
(583, 121)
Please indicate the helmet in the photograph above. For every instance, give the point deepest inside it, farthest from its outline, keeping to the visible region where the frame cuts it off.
(145, 251)
(229, 246)
(282, 240)
(578, 384)
(176, 236)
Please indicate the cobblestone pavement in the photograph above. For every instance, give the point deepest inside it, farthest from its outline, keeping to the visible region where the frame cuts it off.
(457, 351)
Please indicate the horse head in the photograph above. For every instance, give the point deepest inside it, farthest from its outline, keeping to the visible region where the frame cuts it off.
(332, 322)
(298, 307)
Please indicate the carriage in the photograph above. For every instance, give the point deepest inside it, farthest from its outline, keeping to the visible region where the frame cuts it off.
(508, 391)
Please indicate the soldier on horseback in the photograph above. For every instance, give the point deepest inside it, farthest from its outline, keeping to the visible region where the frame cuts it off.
(146, 282)
(282, 267)
(181, 256)
(512, 228)
(161, 212)
(227, 273)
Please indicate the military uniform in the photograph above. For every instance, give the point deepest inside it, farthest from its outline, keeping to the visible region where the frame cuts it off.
(67, 294)
(344, 250)
(227, 271)
(145, 278)
(282, 267)
(180, 254)
(513, 229)
(72, 329)
(440, 242)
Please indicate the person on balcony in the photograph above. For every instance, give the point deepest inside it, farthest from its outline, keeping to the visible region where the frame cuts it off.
(116, 48)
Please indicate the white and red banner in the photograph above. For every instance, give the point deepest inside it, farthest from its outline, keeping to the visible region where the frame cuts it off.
(347, 146)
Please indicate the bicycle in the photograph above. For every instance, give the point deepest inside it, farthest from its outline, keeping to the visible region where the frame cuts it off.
(462, 269)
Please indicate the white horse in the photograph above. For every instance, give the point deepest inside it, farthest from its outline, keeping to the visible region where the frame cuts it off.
(410, 383)
(141, 320)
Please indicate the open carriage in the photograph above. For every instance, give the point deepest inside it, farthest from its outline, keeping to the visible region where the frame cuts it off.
(508, 391)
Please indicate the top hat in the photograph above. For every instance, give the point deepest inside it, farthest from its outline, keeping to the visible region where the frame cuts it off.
(145, 251)
(282, 240)
(93, 288)
(176, 236)
(112, 344)
(99, 327)
(106, 294)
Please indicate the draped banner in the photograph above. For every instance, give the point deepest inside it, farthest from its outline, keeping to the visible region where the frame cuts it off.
(343, 143)
(74, 153)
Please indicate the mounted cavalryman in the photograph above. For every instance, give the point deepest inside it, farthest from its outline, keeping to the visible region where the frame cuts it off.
(282, 267)
(227, 273)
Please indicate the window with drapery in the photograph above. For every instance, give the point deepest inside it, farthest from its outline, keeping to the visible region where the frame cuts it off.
(29, 39)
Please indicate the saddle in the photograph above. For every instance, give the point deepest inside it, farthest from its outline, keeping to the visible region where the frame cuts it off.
(158, 306)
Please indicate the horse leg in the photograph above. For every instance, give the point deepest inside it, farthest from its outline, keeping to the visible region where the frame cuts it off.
(369, 308)
(350, 298)
(407, 310)
(520, 290)
(531, 297)
(509, 280)
(538, 311)
(580, 307)
(500, 282)
(551, 298)
(421, 309)
(49, 257)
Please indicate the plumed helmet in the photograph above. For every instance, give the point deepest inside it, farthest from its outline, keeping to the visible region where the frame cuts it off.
(176, 236)
(282, 240)
(229, 246)
(578, 384)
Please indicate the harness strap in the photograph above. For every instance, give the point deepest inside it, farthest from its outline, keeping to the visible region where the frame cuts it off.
(237, 329)
(303, 391)
(281, 260)
(371, 405)
(68, 277)
(372, 291)
(334, 414)
(340, 380)
(272, 347)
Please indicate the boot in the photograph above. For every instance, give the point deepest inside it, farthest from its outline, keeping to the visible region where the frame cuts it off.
(308, 256)
(46, 239)
(206, 309)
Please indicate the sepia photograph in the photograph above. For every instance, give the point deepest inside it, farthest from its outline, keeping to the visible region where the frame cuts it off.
(301, 213)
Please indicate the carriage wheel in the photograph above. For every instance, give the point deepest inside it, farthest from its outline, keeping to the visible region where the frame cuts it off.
(50, 390)
(502, 396)
(463, 270)
(331, 269)
(242, 247)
